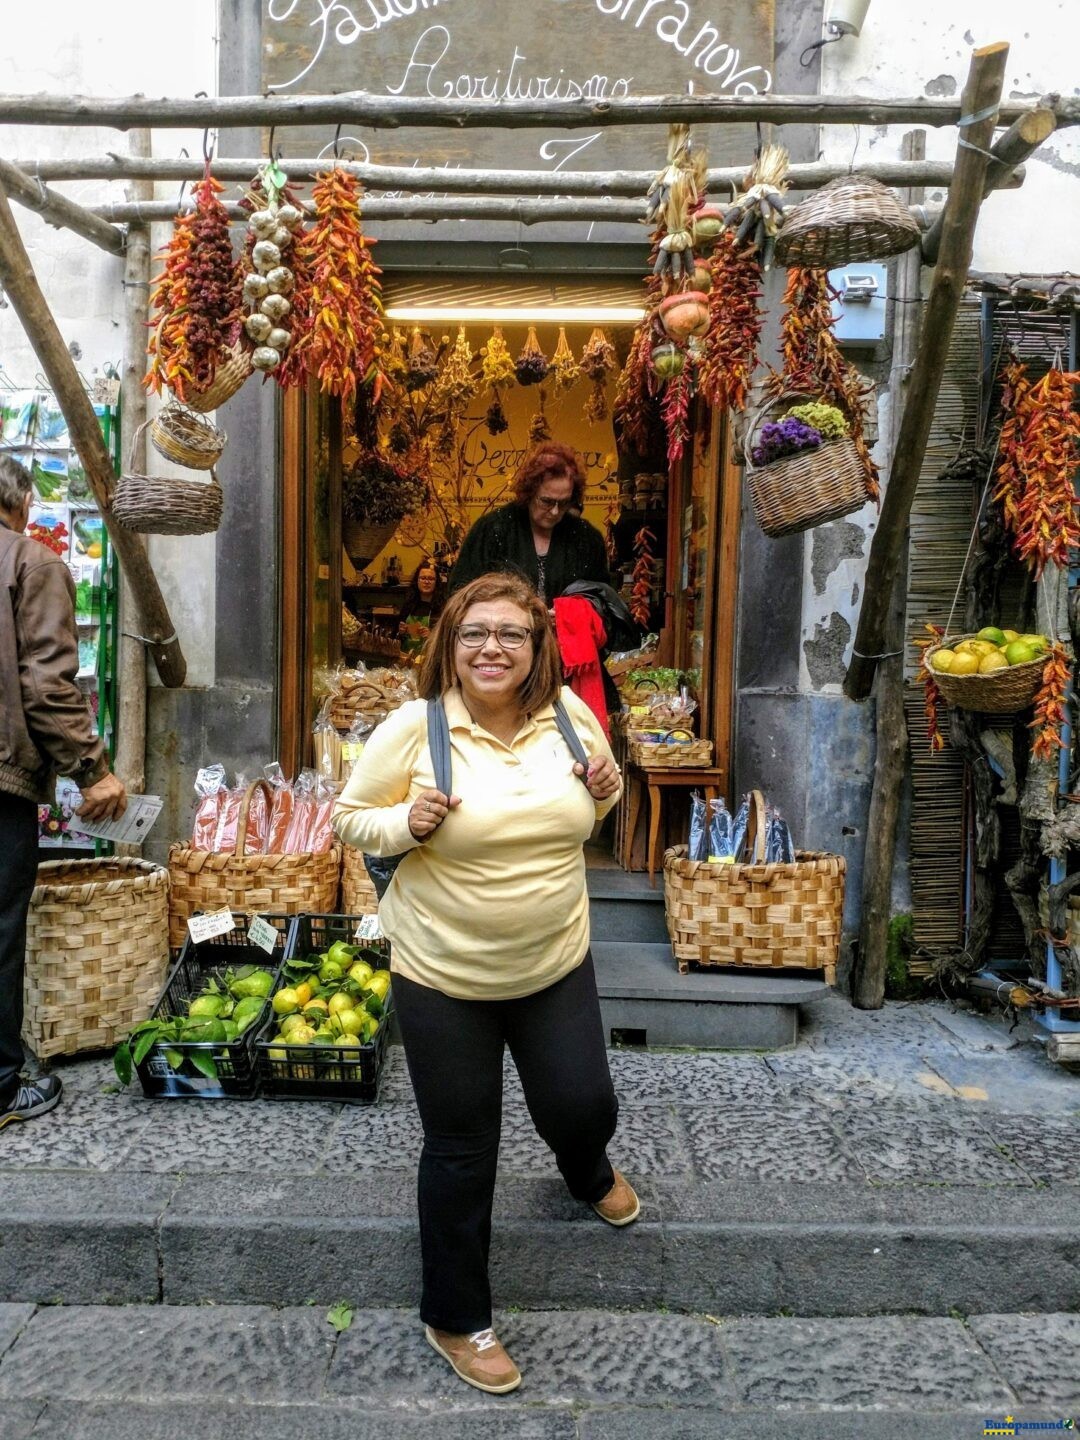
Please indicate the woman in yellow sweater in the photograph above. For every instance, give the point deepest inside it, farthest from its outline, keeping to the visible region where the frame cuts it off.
(488, 920)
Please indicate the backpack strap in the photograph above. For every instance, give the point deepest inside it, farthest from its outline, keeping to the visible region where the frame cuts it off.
(439, 744)
(572, 738)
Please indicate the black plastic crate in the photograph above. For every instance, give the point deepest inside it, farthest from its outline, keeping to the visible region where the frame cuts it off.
(234, 1060)
(326, 1071)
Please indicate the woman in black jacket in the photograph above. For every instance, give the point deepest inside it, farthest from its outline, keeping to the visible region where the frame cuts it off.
(535, 535)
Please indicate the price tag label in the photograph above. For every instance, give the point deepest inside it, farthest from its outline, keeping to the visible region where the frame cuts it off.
(263, 934)
(105, 391)
(208, 927)
(369, 928)
(351, 750)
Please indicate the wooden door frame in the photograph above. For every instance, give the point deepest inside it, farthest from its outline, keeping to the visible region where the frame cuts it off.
(294, 661)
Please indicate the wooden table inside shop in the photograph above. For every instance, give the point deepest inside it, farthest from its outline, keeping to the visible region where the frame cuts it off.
(707, 778)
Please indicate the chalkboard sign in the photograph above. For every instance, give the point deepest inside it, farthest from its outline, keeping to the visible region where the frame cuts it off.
(552, 50)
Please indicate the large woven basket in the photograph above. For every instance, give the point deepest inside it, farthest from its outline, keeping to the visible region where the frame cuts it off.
(851, 218)
(802, 491)
(364, 542)
(187, 437)
(284, 884)
(776, 917)
(1003, 692)
(97, 947)
(234, 367)
(357, 892)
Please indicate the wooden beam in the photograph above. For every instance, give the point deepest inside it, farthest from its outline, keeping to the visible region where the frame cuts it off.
(59, 210)
(1062, 290)
(384, 112)
(981, 95)
(131, 657)
(521, 211)
(890, 723)
(20, 284)
(905, 173)
(1023, 138)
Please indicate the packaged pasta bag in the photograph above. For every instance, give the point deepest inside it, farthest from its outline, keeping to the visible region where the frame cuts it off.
(779, 846)
(281, 809)
(738, 830)
(327, 744)
(258, 823)
(322, 834)
(210, 788)
(298, 835)
(352, 747)
(229, 817)
(697, 846)
(721, 827)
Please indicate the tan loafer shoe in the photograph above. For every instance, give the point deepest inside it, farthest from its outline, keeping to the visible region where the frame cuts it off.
(478, 1359)
(620, 1206)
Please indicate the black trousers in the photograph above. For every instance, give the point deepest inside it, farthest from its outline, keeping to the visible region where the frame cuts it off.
(454, 1050)
(18, 871)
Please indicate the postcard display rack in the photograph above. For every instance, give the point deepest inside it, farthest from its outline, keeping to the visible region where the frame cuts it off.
(64, 516)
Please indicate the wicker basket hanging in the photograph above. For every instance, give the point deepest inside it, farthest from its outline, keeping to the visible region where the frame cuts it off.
(773, 916)
(851, 218)
(186, 437)
(1002, 692)
(233, 369)
(97, 949)
(801, 491)
(157, 505)
(283, 884)
(363, 543)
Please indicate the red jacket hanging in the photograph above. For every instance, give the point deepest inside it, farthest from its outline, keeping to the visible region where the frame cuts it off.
(580, 633)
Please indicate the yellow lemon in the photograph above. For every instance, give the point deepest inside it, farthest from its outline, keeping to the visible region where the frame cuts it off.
(943, 660)
(994, 661)
(285, 1001)
(965, 663)
(290, 1023)
(379, 983)
(305, 992)
(339, 1002)
(351, 1021)
(1038, 643)
(1010, 636)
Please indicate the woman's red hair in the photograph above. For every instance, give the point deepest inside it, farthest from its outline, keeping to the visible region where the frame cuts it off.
(549, 461)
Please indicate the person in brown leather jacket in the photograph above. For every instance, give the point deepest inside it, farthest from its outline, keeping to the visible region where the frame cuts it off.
(45, 729)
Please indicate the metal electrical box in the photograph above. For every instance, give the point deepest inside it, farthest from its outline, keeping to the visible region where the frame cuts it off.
(860, 310)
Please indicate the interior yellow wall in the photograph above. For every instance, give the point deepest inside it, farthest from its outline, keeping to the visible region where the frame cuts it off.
(498, 456)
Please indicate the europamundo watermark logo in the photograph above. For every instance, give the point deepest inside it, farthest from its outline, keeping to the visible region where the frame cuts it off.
(1007, 1425)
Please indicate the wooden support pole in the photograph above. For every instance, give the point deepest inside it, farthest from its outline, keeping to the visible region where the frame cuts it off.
(446, 181)
(59, 210)
(1023, 138)
(382, 112)
(890, 723)
(131, 657)
(20, 284)
(980, 98)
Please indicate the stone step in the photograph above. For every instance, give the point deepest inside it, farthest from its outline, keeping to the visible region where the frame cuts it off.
(720, 1248)
(254, 1373)
(623, 906)
(643, 996)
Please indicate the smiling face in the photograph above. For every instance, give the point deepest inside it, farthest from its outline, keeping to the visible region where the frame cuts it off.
(426, 580)
(551, 501)
(491, 676)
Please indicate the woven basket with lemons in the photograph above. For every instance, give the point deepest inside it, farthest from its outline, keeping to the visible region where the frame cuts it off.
(995, 671)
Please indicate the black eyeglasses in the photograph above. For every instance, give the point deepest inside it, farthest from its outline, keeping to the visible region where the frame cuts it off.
(510, 637)
(550, 504)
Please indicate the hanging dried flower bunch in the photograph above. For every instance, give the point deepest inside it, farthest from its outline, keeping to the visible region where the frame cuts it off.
(197, 300)
(813, 362)
(422, 364)
(598, 364)
(1035, 476)
(731, 346)
(539, 429)
(346, 296)
(565, 371)
(532, 364)
(495, 419)
(497, 364)
(455, 384)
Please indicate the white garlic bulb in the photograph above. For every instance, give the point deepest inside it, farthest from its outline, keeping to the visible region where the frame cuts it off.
(278, 338)
(265, 357)
(258, 328)
(280, 278)
(262, 223)
(266, 255)
(290, 216)
(281, 236)
(276, 306)
(255, 287)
